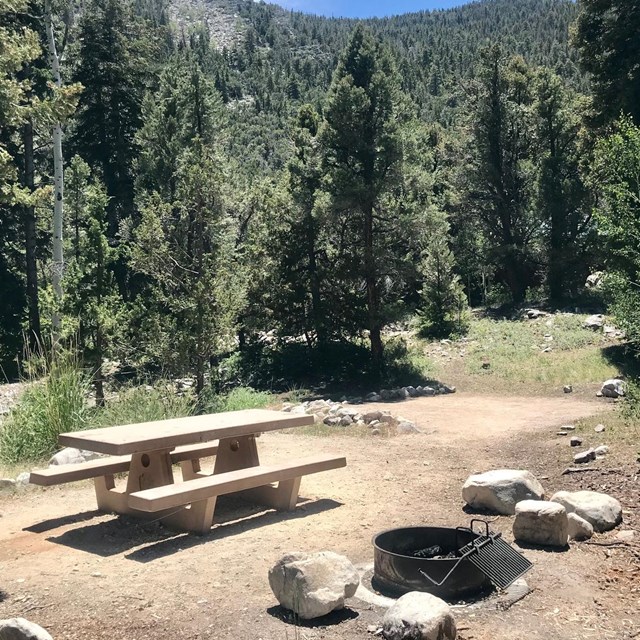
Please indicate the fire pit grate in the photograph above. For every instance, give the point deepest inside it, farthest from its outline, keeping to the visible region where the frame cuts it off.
(450, 563)
(499, 561)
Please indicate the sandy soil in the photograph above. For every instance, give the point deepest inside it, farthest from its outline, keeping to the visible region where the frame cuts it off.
(82, 574)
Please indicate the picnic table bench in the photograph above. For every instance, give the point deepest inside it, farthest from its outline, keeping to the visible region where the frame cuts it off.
(148, 450)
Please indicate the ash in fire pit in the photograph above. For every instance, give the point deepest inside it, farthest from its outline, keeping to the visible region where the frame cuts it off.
(449, 563)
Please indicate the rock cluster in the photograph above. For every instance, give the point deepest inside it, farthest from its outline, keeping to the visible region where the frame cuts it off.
(341, 414)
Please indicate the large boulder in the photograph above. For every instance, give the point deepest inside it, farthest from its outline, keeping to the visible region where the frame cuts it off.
(419, 616)
(313, 584)
(600, 510)
(500, 490)
(541, 522)
(613, 388)
(21, 629)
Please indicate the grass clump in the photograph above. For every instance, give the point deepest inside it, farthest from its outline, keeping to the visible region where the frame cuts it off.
(555, 351)
(236, 399)
(54, 402)
(145, 404)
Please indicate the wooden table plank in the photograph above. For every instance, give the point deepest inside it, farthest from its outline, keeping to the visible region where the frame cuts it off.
(167, 434)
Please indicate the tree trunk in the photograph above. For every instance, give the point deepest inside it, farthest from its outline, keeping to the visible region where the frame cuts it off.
(33, 302)
(373, 293)
(314, 278)
(58, 173)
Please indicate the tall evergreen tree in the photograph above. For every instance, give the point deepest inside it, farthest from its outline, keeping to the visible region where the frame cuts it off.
(502, 179)
(113, 68)
(361, 142)
(606, 35)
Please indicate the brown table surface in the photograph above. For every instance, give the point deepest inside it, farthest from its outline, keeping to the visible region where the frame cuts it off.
(167, 434)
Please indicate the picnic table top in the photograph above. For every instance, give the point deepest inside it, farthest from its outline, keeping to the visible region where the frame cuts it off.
(167, 434)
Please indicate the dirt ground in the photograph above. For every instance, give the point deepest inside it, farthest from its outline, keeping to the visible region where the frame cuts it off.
(83, 574)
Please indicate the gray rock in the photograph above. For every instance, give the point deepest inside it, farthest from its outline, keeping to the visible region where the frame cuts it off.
(412, 391)
(371, 416)
(584, 456)
(613, 388)
(373, 397)
(375, 432)
(594, 280)
(403, 393)
(21, 629)
(406, 426)
(332, 421)
(387, 394)
(575, 441)
(7, 483)
(541, 522)
(345, 421)
(313, 584)
(500, 490)
(533, 314)
(448, 389)
(602, 511)
(419, 616)
(595, 322)
(23, 479)
(567, 388)
(561, 433)
(599, 428)
(602, 450)
(428, 391)
(579, 528)
(568, 427)
(387, 418)
(70, 455)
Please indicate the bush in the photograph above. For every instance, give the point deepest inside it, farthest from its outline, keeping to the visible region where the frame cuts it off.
(54, 402)
(145, 404)
(238, 398)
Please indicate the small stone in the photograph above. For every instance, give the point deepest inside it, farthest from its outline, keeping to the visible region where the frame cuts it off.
(23, 479)
(599, 428)
(406, 426)
(561, 433)
(585, 456)
(373, 397)
(7, 483)
(448, 389)
(345, 421)
(375, 432)
(626, 535)
(568, 427)
(332, 421)
(567, 388)
(602, 450)
(579, 528)
(575, 441)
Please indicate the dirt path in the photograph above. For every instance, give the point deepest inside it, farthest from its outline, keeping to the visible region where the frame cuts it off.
(83, 574)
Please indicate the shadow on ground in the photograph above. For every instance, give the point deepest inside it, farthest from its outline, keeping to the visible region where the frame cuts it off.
(144, 541)
(331, 619)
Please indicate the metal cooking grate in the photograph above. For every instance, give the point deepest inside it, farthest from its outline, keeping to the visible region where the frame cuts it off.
(498, 560)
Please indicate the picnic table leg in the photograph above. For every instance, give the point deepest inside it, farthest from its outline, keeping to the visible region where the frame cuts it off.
(146, 471)
(236, 453)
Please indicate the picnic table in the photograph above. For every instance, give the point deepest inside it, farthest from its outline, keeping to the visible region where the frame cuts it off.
(148, 451)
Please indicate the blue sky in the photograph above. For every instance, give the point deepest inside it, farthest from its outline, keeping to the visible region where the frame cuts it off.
(364, 8)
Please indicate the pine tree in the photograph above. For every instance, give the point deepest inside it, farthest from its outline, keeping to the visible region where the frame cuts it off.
(361, 143)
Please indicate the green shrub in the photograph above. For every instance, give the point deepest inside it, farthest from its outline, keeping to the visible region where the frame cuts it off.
(238, 398)
(54, 402)
(145, 404)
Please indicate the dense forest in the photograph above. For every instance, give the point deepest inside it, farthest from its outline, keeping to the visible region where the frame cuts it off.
(198, 188)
